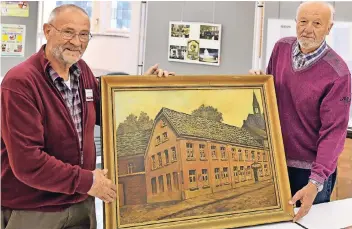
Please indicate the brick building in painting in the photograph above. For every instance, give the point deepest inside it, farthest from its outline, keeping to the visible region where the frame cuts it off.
(188, 156)
(131, 171)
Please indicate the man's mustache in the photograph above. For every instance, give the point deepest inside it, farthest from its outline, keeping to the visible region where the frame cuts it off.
(72, 48)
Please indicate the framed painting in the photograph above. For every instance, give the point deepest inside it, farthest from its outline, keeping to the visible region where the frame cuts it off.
(193, 152)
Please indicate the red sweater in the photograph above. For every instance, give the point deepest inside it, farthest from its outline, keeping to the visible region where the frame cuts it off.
(39, 143)
(314, 105)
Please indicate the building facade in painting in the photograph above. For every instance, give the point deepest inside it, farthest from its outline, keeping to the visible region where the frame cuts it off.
(188, 156)
(131, 171)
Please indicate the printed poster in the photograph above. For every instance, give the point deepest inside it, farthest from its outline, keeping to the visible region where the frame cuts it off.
(194, 42)
(12, 40)
(15, 8)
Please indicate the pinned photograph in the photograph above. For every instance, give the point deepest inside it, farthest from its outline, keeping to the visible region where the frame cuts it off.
(193, 50)
(180, 31)
(209, 55)
(209, 32)
(19, 48)
(177, 52)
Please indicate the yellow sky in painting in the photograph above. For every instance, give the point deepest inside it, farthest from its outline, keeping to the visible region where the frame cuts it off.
(234, 104)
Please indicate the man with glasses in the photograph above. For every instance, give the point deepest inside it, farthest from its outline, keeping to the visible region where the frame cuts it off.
(50, 104)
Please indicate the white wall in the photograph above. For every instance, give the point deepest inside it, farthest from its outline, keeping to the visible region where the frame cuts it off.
(116, 53)
(106, 52)
(236, 18)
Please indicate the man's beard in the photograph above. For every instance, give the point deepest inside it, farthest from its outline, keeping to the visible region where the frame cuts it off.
(306, 44)
(58, 52)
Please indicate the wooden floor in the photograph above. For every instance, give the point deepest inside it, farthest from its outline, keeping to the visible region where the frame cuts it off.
(343, 187)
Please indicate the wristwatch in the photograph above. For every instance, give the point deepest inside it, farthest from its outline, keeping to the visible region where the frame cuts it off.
(319, 186)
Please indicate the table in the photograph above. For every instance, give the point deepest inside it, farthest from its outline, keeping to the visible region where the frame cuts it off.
(284, 225)
(99, 213)
(333, 215)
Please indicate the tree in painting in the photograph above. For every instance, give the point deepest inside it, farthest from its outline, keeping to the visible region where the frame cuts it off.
(134, 123)
(208, 112)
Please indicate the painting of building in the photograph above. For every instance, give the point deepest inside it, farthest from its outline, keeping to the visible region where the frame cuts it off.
(188, 156)
(185, 165)
(191, 153)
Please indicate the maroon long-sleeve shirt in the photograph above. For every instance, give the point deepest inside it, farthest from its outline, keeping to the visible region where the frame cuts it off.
(313, 105)
(40, 154)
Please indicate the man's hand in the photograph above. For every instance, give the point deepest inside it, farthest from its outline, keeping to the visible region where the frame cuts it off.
(306, 195)
(155, 70)
(103, 188)
(256, 72)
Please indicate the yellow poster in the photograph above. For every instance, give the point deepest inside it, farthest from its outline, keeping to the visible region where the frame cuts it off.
(12, 40)
(15, 8)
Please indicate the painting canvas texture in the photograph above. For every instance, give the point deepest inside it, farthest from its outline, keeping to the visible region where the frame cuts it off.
(191, 153)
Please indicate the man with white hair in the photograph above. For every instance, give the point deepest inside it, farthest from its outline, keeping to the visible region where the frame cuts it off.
(50, 105)
(313, 89)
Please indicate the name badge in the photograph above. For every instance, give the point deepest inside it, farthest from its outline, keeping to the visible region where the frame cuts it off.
(89, 95)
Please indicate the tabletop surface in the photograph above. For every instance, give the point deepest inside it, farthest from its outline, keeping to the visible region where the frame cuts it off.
(284, 225)
(333, 215)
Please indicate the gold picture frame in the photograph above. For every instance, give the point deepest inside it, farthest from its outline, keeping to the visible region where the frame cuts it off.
(193, 158)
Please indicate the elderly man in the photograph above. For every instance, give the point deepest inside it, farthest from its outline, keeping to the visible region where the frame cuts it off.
(50, 104)
(313, 88)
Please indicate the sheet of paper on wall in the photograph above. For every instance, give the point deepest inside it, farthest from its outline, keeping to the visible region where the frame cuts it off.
(15, 8)
(194, 42)
(340, 39)
(12, 40)
(277, 29)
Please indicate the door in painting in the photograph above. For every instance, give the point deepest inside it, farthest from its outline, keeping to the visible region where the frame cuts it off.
(255, 172)
(121, 195)
(217, 177)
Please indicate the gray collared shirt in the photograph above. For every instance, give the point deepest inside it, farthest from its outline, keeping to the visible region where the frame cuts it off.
(301, 60)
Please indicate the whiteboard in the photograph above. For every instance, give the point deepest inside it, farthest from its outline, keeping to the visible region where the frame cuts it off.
(340, 39)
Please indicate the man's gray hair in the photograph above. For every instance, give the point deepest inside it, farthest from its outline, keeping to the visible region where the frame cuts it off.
(64, 7)
(331, 7)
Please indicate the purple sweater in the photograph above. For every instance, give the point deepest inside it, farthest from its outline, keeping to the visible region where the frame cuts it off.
(313, 105)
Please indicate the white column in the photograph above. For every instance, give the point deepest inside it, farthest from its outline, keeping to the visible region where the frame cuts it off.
(142, 38)
(258, 35)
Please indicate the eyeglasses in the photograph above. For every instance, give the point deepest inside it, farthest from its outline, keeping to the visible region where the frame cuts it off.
(69, 34)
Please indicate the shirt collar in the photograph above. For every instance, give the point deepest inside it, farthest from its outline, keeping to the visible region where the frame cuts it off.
(75, 72)
(308, 56)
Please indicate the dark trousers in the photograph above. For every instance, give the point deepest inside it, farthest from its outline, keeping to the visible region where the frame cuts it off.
(300, 178)
(78, 216)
